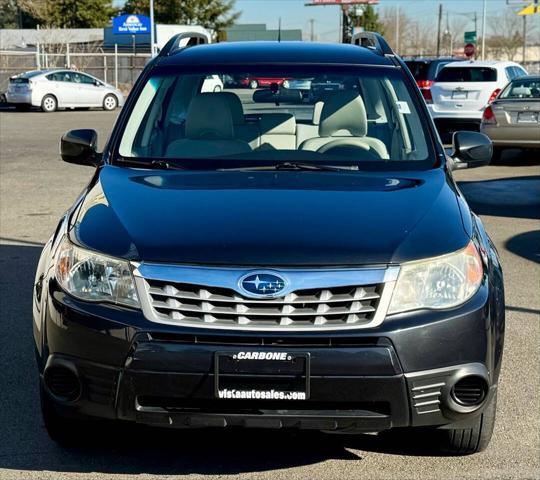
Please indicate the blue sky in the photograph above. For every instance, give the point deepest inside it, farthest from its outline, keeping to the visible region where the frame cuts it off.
(295, 15)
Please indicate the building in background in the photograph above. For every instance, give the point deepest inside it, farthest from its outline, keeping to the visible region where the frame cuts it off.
(258, 31)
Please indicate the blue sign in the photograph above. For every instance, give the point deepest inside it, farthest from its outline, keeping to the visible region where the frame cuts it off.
(131, 24)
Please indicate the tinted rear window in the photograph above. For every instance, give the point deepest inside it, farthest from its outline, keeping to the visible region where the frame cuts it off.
(467, 74)
(419, 70)
(19, 80)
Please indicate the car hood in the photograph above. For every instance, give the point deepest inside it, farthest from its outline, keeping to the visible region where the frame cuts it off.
(269, 218)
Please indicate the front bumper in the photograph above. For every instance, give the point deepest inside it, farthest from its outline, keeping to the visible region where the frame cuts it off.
(395, 375)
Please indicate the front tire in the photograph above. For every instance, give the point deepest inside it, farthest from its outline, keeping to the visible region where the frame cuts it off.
(474, 439)
(63, 431)
(217, 89)
(110, 103)
(49, 104)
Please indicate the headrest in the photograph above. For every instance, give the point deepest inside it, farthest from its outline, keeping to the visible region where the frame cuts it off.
(343, 111)
(235, 105)
(317, 110)
(522, 91)
(209, 116)
(277, 124)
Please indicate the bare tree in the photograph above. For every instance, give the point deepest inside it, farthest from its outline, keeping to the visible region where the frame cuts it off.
(506, 40)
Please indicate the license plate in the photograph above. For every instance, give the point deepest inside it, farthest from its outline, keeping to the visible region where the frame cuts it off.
(262, 375)
(459, 95)
(527, 117)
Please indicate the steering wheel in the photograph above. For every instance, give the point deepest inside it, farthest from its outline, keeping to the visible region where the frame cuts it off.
(350, 146)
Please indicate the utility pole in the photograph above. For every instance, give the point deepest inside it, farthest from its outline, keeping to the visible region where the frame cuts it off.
(312, 29)
(397, 28)
(152, 32)
(524, 51)
(439, 31)
(484, 31)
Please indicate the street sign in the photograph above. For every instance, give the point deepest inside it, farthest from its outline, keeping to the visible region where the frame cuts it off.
(531, 9)
(469, 49)
(470, 37)
(131, 24)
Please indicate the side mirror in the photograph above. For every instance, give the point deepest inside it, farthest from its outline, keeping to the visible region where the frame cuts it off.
(471, 150)
(80, 147)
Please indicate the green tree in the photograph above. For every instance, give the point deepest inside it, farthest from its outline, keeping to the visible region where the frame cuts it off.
(78, 14)
(365, 17)
(215, 15)
(16, 14)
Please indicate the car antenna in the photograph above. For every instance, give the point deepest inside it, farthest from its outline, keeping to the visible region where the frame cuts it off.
(279, 30)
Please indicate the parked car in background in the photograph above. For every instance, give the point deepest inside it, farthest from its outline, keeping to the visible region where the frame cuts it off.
(462, 90)
(256, 82)
(425, 70)
(54, 89)
(212, 83)
(513, 118)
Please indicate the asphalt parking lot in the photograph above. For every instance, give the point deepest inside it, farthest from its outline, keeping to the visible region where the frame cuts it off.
(36, 188)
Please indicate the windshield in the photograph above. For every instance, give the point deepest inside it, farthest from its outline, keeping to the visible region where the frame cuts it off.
(362, 115)
(467, 74)
(525, 88)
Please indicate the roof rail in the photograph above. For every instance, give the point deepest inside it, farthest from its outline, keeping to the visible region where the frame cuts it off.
(174, 43)
(373, 41)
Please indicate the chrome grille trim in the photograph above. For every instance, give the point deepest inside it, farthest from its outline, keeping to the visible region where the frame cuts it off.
(205, 297)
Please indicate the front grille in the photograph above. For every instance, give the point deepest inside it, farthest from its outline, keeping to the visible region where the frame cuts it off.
(202, 305)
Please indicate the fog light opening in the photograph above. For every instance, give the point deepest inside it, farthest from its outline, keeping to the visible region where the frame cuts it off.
(63, 383)
(470, 391)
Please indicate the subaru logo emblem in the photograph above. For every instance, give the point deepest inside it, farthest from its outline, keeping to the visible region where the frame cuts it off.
(262, 284)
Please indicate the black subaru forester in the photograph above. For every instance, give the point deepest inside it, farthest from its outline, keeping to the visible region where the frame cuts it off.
(270, 259)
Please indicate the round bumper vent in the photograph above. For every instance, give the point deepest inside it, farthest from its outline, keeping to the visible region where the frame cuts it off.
(62, 383)
(470, 391)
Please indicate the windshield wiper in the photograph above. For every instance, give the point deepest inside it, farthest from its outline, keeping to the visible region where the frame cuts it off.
(163, 165)
(298, 166)
(154, 164)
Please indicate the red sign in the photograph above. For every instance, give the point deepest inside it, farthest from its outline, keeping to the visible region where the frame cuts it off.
(469, 49)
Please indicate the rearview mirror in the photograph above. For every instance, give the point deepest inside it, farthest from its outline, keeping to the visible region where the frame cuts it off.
(80, 147)
(471, 150)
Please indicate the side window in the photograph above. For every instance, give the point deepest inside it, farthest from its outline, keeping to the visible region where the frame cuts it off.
(509, 73)
(57, 77)
(519, 72)
(86, 79)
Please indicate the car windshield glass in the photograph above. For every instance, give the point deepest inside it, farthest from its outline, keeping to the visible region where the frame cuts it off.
(525, 88)
(419, 70)
(362, 115)
(467, 74)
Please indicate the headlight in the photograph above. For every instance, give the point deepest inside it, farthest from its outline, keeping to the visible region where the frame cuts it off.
(440, 282)
(90, 276)
(286, 84)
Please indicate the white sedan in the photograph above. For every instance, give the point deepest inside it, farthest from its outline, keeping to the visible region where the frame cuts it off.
(54, 89)
(212, 83)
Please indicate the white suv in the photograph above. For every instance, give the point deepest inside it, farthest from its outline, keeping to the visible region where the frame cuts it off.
(462, 90)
